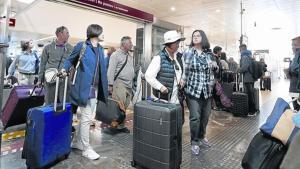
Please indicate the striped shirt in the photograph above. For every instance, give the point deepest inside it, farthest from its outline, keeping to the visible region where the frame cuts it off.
(198, 74)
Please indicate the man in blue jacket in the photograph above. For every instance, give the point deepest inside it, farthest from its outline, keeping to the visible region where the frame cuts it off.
(91, 74)
(245, 63)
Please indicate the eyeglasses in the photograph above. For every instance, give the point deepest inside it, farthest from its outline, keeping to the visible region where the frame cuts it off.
(196, 36)
(175, 64)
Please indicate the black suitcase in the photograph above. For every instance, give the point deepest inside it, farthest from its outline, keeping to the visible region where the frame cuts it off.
(240, 106)
(264, 152)
(239, 99)
(157, 135)
(267, 83)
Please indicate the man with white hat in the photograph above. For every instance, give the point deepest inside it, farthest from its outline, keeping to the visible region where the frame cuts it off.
(165, 70)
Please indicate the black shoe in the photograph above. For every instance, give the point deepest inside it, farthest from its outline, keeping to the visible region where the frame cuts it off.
(251, 114)
(73, 129)
(124, 130)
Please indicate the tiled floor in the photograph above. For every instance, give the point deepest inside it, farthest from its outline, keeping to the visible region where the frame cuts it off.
(229, 136)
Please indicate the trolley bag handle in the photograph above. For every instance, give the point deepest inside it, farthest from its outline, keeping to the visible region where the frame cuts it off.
(59, 108)
(237, 82)
(143, 87)
(169, 96)
(34, 88)
(242, 79)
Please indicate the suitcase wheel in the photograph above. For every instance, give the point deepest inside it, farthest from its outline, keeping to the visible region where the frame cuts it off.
(133, 164)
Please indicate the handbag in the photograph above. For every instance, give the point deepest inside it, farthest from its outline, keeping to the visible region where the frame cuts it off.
(51, 73)
(280, 122)
(109, 112)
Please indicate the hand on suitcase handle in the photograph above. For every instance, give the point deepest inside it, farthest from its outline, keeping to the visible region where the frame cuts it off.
(163, 89)
(63, 73)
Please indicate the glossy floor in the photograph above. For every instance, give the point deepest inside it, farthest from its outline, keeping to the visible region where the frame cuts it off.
(228, 135)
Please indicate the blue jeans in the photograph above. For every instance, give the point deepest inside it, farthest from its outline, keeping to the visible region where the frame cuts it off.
(200, 109)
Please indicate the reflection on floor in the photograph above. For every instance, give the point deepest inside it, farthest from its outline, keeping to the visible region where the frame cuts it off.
(229, 136)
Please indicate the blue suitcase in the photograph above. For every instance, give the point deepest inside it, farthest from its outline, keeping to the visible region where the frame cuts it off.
(48, 134)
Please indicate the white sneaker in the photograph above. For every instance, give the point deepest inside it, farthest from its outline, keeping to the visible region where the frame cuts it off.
(77, 145)
(90, 154)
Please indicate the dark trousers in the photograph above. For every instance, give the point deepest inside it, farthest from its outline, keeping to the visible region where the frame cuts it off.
(249, 89)
(199, 115)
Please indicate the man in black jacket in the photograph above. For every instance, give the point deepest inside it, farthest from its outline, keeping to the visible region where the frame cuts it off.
(294, 71)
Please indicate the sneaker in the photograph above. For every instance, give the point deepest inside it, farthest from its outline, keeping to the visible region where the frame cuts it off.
(196, 149)
(124, 130)
(90, 154)
(205, 142)
(77, 145)
(251, 114)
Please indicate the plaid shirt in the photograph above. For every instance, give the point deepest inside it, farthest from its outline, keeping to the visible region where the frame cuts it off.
(198, 75)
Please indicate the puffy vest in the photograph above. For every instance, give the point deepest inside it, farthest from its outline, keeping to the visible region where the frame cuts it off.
(166, 75)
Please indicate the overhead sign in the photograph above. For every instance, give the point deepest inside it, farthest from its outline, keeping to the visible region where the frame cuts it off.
(117, 8)
(12, 22)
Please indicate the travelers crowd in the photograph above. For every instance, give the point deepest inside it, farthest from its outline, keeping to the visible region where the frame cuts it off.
(175, 77)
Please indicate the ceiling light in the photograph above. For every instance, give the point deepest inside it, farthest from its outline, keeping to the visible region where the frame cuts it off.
(26, 1)
(173, 8)
(218, 10)
(276, 28)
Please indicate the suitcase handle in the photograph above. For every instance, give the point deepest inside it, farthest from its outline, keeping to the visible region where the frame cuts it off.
(169, 96)
(237, 82)
(34, 88)
(63, 107)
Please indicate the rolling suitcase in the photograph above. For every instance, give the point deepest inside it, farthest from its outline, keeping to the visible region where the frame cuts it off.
(157, 139)
(267, 83)
(19, 101)
(239, 99)
(264, 152)
(48, 133)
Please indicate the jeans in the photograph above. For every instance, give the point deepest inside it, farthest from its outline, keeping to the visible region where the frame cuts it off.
(249, 89)
(200, 109)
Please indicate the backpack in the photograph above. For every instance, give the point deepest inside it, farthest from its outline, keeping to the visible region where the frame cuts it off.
(256, 69)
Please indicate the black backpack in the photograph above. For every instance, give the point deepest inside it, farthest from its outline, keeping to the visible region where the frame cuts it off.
(256, 69)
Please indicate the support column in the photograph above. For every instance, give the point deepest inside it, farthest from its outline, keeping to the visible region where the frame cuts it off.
(4, 16)
(147, 53)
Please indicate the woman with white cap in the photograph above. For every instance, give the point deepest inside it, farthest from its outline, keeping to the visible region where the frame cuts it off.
(165, 70)
(198, 80)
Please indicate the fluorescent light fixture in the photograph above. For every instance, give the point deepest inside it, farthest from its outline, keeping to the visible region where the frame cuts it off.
(173, 8)
(26, 1)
